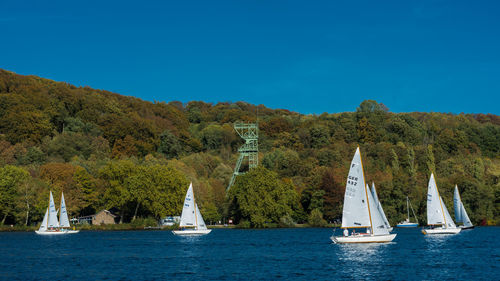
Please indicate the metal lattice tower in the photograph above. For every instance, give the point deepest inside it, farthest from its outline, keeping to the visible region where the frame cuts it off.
(250, 149)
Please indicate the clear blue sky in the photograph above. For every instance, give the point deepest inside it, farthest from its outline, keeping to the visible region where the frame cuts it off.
(305, 56)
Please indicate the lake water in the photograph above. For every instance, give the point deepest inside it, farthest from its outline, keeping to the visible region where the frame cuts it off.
(231, 254)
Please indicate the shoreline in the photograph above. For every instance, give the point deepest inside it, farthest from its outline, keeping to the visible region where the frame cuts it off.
(130, 227)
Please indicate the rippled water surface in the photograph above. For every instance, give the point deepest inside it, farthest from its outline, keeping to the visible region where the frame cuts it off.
(227, 254)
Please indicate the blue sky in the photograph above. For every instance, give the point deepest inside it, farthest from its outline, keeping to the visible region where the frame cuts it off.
(305, 56)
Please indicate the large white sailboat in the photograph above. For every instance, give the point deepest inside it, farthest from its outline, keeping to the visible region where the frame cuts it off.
(192, 222)
(50, 225)
(460, 213)
(360, 210)
(406, 223)
(379, 206)
(438, 217)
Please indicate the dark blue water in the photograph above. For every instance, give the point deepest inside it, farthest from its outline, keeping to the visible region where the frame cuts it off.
(225, 254)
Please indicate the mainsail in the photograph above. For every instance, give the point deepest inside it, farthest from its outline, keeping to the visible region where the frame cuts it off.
(52, 223)
(355, 210)
(188, 216)
(63, 216)
(435, 214)
(456, 204)
(379, 205)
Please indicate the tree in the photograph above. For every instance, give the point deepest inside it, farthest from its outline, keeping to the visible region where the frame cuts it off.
(115, 174)
(169, 145)
(11, 178)
(260, 197)
(316, 218)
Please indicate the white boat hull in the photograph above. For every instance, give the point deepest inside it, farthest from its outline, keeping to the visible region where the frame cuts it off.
(363, 239)
(463, 227)
(191, 232)
(59, 232)
(407, 224)
(441, 230)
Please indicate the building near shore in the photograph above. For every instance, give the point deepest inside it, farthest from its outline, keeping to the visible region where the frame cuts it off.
(102, 217)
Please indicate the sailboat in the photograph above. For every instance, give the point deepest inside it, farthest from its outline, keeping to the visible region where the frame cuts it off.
(192, 222)
(50, 225)
(63, 218)
(360, 210)
(379, 206)
(460, 213)
(438, 217)
(406, 222)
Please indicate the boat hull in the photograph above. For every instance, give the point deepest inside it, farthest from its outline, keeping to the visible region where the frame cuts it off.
(191, 232)
(407, 224)
(466, 227)
(56, 232)
(363, 239)
(441, 231)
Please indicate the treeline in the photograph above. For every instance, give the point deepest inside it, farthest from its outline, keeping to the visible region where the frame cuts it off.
(137, 158)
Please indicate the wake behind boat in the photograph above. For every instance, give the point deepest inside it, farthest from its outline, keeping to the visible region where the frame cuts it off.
(438, 217)
(460, 213)
(360, 210)
(192, 222)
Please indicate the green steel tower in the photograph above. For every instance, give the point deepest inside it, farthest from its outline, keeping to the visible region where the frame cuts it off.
(250, 149)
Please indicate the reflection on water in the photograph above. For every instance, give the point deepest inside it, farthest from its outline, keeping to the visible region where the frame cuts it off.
(361, 260)
(284, 254)
(360, 252)
(436, 242)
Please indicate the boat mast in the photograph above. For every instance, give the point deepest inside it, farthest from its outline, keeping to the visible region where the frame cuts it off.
(413, 211)
(366, 191)
(408, 207)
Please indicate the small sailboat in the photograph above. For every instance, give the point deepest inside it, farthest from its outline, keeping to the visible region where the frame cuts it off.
(460, 213)
(379, 206)
(438, 217)
(360, 210)
(192, 222)
(50, 225)
(63, 218)
(406, 222)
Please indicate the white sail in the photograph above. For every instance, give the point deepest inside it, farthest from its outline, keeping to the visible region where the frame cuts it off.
(199, 219)
(456, 204)
(188, 216)
(465, 217)
(379, 206)
(460, 213)
(43, 226)
(355, 210)
(63, 216)
(378, 224)
(449, 220)
(435, 214)
(53, 222)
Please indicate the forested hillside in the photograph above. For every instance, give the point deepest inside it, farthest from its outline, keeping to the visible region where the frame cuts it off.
(136, 157)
